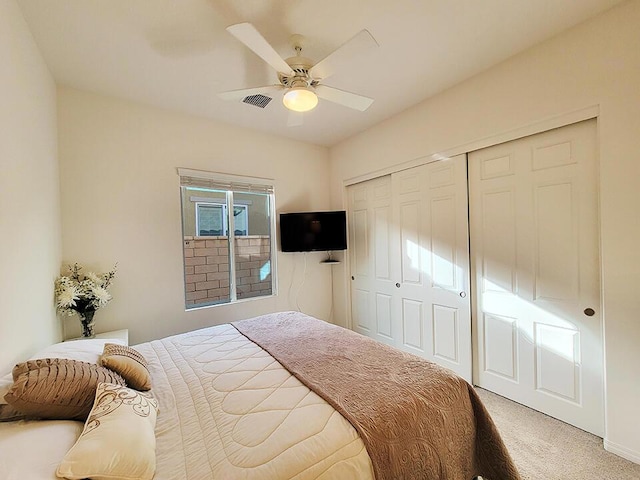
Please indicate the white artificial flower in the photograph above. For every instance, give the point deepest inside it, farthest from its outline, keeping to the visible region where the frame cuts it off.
(101, 296)
(67, 296)
(76, 293)
(94, 278)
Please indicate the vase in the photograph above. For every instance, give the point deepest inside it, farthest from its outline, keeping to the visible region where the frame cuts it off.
(86, 319)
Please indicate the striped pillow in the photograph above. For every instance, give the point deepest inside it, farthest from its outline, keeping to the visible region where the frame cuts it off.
(57, 388)
(129, 363)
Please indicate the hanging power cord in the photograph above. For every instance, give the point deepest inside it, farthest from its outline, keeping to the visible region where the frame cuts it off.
(293, 276)
(304, 274)
(331, 302)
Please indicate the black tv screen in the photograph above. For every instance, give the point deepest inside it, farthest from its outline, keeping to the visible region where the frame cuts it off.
(313, 231)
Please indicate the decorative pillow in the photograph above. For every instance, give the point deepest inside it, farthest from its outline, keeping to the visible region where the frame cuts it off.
(84, 350)
(57, 388)
(129, 363)
(118, 440)
(9, 414)
(6, 381)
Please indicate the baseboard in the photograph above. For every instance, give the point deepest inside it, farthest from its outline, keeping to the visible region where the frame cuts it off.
(621, 451)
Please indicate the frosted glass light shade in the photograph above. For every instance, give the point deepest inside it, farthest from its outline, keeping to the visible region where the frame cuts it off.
(300, 99)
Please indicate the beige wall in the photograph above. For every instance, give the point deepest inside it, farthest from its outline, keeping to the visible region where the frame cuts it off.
(121, 203)
(29, 194)
(596, 63)
(257, 209)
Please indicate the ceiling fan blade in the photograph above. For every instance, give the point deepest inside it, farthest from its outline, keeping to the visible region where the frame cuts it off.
(348, 99)
(294, 119)
(247, 34)
(353, 47)
(244, 92)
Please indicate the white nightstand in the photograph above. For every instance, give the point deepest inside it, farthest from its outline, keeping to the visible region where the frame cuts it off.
(122, 335)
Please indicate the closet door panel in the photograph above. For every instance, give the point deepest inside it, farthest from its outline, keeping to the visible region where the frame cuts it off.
(411, 253)
(442, 212)
(410, 238)
(446, 333)
(361, 312)
(534, 238)
(412, 256)
(370, 230)
(447, 234)
(412, 323)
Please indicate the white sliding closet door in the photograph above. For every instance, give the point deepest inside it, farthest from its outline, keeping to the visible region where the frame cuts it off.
(372, 288)
(431, 235)
(534, 244)
(409, 262)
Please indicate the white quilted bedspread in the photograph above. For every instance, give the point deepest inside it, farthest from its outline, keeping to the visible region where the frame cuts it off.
(228, 410)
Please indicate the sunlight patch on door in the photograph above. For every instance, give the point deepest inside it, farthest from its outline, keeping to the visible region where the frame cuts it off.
(419, 260)
(524, 309)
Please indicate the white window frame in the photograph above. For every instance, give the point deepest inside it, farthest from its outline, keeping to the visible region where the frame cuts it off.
(229, 183)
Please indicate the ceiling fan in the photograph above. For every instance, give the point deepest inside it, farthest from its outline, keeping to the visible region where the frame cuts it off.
(300, 78)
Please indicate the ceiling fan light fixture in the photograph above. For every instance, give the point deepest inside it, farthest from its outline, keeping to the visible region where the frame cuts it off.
(300, 99)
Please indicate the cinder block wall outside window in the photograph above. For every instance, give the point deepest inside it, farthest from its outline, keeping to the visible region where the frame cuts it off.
(207, 268)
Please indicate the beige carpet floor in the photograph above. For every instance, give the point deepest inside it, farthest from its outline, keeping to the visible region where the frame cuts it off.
(544, 448)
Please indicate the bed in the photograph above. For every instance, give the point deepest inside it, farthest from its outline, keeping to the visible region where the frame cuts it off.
(289, 396)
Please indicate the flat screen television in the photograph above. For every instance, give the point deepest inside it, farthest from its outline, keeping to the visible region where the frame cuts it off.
(313, 231)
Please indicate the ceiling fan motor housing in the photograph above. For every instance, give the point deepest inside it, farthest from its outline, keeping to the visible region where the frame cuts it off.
(301, 78)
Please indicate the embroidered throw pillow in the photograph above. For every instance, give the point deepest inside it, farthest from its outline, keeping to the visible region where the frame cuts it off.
(129, 363)
(118, 440)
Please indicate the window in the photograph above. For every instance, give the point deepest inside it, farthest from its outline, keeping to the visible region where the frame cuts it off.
(227, 257)
(211, 219)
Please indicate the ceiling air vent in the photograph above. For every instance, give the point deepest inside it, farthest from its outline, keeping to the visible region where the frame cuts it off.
(257, 100)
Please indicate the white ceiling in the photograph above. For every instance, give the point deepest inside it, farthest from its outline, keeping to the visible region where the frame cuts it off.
(176, 54)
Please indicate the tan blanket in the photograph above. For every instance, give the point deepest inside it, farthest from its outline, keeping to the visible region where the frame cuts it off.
(418, 420)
